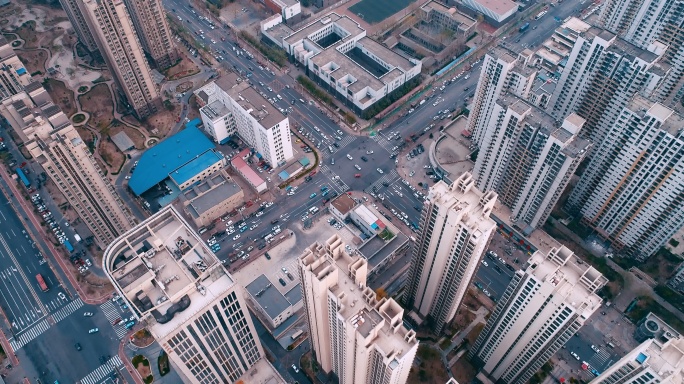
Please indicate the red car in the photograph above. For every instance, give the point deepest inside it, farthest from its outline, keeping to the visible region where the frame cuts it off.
(357, 175)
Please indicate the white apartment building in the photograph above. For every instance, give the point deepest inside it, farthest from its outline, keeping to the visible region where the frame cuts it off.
(454, 231)
(78, 22)
(540, 310)
(150, 23)
(658, 359)
(631, 191)
(192, 306)
(528, 159)
(335, 51)
(353, 335)
(502, 71)
(602, 73)
(232, 107)
(112, 27)
(648, 24)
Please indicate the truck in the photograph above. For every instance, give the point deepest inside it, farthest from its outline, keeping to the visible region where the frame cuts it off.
(68, 246)
(297, 334)
(41, 283)
(524, 27)
(77, 237)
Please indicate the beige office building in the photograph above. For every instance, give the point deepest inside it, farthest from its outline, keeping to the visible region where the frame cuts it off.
(540, 310)
(454, 231)
(354, 336)
(192, 306)
(149, 20)
(658, 359)
(112, 27)
(56, 145)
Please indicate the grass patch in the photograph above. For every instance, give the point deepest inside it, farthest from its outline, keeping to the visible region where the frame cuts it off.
(646, 304)
(99, 104)
(444, 344)
(62, 95)
(374, 11)
(386, 235)
(430, 370)
(78, 118)
(579, 229)
(671, 296)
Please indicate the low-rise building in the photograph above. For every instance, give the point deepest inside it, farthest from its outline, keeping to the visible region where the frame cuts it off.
(212, 198)
(270, 304)
(342, 205)
(360, 72)
(239, 163)
(290, 10)
(232, 107)
(447, 17)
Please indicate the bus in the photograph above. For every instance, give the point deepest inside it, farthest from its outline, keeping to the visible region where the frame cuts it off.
(41, 282)
(23, 177)
(297, 334)
(540, 15)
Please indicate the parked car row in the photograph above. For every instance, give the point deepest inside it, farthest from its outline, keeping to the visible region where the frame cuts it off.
(49, 219)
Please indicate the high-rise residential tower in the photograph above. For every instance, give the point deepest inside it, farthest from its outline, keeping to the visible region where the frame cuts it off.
(56, 145)
(527, 158)
(502, 71)
(455, 228)
(540, 310)
(353, 335)
(81, 27)
(112, 28)
(650, 24)
(150, 23)
(192, 306)
(658, 359)
(632, 191)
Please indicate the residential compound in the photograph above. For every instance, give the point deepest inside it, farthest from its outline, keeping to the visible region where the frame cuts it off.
(118, 42)
(149, 20)
(528, 159)
(658, 359)
(231, 107)
(454, 231)
(540, 310)
(647, 23)
(354, 336)
(337, 54)
(631, 191)
(48, 135)
(171, 280)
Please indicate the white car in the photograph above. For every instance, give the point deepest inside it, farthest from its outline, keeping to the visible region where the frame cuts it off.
(349, 157)
(62, 296)
(485, 263)
(380, 171)
(88, 314)
(236, 237)
(357, 167)
(260, 213)
(369, 152)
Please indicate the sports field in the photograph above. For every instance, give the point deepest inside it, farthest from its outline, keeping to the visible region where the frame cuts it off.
(373, 11)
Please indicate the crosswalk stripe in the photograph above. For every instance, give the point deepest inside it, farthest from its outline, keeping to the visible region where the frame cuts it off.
(67, 310)
(346, 141)
(112, 313)
(102, 371)
(337, 183)
(29, 335)
(599, 358)
(387, 178)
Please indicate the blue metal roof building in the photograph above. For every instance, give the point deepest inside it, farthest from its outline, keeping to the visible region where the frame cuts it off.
(158, 162)
(195, 166)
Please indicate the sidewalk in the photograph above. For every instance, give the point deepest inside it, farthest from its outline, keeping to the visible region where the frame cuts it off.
(127, 351)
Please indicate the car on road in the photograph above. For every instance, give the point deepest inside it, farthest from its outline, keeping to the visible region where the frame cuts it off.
(294, 367)
(78, 346)
(573, 354)
(357, 167)
(364, 158)
(349, 157)
(94, 330)
(380, 171)
(130, 324)
(595, 349)
(369, 152)
(485, 263)
(236, 237)
(253, 227)
(312, 195)
(88, 314)
(260, 213)
(61, 295)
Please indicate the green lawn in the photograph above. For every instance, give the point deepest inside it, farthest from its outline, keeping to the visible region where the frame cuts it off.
(373, 11)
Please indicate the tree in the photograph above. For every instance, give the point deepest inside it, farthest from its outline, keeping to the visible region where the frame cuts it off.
(380, 293)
